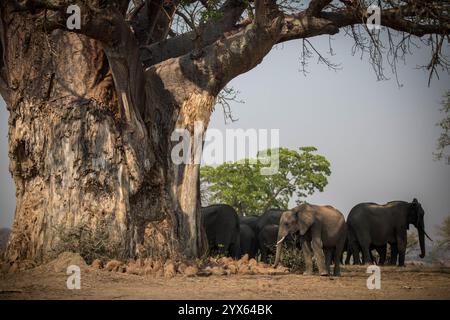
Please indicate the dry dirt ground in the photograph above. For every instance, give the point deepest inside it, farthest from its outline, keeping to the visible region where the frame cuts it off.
(396, 283)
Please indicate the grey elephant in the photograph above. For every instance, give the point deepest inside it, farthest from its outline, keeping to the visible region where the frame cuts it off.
(248, 241)
(222, 228)
(324, 232)
(372, 224)
(267, 239)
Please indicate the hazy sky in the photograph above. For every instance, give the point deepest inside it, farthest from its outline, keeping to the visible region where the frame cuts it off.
(378, 137)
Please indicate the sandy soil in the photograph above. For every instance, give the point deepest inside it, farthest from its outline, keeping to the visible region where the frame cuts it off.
(396, 283)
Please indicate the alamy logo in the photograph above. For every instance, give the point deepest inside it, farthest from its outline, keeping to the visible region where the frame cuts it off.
(374, 18)
(374, 280)
(74, 20)
(74, 279)
(236, 145)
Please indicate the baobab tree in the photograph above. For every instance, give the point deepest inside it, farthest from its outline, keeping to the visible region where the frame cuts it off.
(92, 109)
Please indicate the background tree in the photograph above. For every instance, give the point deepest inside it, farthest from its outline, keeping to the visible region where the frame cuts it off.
(411, 241)
(444, 139)
(241, 184)
(92, 110)
(443, 232)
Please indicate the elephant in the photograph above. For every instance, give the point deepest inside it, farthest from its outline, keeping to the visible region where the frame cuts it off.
(324, 232)
(372, 224)
(248, 241)
(271, 216)
(251, 221)
(222, 228)
(267, 239)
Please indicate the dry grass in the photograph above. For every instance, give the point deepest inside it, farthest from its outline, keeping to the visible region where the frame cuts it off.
(396, 283)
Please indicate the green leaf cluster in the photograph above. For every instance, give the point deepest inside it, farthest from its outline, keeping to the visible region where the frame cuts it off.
(241, 184)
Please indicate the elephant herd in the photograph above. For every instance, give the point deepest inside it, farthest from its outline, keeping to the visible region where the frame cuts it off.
(320, 231)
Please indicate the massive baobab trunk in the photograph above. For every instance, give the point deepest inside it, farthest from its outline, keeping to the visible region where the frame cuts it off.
(92, 110)
(80, 154)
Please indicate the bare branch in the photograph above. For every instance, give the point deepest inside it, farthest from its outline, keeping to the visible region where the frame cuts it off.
(186, 19)
(306, 54)
(224, 99)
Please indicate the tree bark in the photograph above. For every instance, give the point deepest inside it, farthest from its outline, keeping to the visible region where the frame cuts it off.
(82, 153)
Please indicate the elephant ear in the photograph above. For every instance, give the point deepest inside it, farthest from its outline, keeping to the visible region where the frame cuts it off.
(306, 217)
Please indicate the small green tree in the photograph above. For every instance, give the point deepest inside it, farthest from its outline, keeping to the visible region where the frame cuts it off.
(241, 184)
(444, 139)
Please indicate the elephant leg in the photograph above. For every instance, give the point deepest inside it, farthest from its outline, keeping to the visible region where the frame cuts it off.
(401, 258)
(367, 256)
(317, 247)
(307, 257)
(394, 254)
(401, 247)
(235, 251)
(382, 252)
(363, 239)
(355, 253)
(338, 253)
(337, 264)
(252, 250)
(328, 256)
(236, 248)
(337, 268)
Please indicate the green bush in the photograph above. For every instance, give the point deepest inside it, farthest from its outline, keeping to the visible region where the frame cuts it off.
(291, 257)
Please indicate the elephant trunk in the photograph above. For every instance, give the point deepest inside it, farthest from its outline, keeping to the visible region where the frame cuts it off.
(281, 236)
(278, 253)
(422, 242)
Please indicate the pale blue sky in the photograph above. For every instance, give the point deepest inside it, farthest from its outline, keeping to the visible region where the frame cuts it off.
(379, 138)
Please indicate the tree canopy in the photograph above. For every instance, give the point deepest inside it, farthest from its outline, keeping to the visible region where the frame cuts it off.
(241, 184)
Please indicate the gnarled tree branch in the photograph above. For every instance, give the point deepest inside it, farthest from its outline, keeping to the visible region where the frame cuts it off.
(230, 13)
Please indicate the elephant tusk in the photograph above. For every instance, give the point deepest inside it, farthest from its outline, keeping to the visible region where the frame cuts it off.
(281, 240)
(427, 236)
